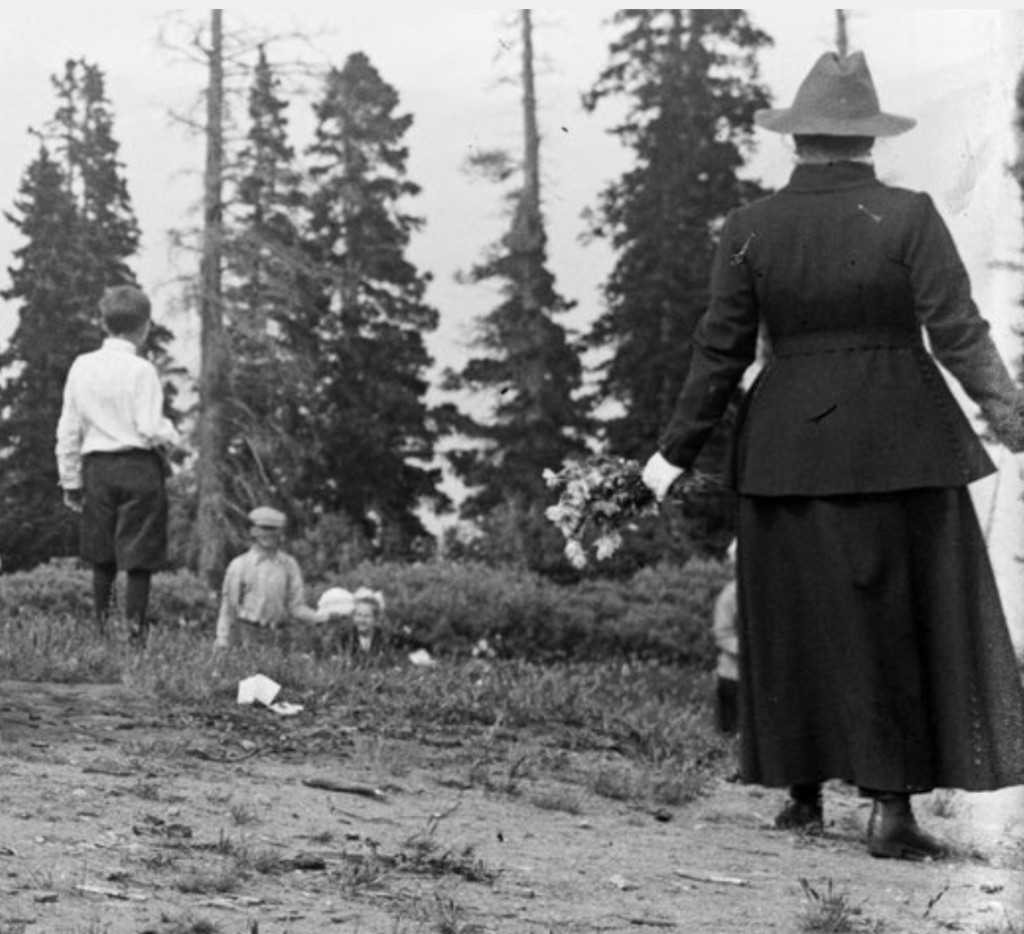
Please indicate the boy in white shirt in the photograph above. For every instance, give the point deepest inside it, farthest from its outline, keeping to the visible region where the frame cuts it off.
(112, 446)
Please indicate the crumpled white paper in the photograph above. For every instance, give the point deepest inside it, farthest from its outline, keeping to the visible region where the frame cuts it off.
(257, 688)
(263, 690)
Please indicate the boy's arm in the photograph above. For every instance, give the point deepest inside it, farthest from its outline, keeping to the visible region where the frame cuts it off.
(150, 422)
(297, 596)
(69, 440)
(228, 606)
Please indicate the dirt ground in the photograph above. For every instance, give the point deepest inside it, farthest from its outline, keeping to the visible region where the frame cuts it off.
(119, 817)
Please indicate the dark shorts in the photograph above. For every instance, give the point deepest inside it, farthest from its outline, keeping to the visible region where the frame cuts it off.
(124, 517)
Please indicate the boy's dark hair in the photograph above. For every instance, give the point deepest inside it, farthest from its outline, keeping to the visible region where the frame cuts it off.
(124, 308)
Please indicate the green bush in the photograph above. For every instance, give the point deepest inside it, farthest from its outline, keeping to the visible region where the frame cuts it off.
(63, 588)
(659, 614)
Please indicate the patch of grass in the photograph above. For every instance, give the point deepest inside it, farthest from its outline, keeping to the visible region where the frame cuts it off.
(147, 791)
(1005, 926)
(827, 911)
(679, 790)
(443, 915)
(615, 782)
(422, 853)
(243, 813)
(561, 798)
(943, 803)
(504, 781)
(159, 861)
(187, 924)
(202, 880)
(262, 860)
(363, 871)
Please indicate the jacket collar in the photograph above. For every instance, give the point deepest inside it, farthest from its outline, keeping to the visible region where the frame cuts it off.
(832, 176)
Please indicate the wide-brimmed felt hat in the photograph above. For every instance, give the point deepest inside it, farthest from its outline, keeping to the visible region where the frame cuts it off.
(837, 98)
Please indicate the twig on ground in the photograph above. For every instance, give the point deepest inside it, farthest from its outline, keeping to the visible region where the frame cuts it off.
(713, 879)
(348, 788)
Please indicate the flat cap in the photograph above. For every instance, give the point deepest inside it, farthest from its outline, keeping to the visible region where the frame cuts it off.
(267, 518)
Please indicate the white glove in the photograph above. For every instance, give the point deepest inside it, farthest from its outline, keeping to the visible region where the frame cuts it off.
(659, 475)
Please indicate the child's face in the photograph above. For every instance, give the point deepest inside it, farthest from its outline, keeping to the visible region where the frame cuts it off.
(364, 615)
(266, 538)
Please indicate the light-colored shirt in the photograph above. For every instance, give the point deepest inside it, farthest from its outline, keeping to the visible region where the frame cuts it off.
(262, 587)
(113, 401)
(724, 629)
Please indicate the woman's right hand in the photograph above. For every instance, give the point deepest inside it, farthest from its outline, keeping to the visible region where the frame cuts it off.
(659, 475)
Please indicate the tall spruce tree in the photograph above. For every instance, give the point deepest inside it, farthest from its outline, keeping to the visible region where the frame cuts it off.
(75, 215)
(690, 80)
(53, 327)
(263, 275)
(365, 432)
(527, 364)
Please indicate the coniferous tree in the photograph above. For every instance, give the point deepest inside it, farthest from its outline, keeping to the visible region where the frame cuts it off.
(75, 215)
(263, 273)
(52, 329)
(364, 430)
(526, 362)
(691, 81)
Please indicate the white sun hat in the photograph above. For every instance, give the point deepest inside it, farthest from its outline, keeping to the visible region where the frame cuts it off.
(336, 601)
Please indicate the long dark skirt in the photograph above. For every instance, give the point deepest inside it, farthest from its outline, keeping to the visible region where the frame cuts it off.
(873, 645)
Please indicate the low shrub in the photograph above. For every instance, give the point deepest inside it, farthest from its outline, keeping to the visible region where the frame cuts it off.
(63, 588)
(451, 608)
(661, 613)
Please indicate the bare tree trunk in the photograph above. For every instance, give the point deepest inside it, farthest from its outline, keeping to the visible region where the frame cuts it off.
(214, 381)
(529, 229)
(531, 135)
(842, 33)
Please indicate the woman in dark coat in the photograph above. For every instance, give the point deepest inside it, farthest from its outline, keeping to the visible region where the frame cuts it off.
(874, 648)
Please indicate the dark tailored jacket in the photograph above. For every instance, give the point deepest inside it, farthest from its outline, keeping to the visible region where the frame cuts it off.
(847, 275)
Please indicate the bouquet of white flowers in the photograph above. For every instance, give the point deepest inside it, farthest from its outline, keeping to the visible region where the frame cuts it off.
(599, 497)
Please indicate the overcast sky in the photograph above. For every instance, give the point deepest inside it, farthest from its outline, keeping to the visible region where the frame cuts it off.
(951, 69)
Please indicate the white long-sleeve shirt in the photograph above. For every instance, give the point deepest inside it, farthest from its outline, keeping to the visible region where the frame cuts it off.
(113, 401)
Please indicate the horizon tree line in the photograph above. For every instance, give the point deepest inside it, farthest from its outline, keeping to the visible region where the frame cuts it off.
(324, 380)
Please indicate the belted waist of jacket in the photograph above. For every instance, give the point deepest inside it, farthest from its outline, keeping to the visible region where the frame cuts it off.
(838, 412)
(825, 341)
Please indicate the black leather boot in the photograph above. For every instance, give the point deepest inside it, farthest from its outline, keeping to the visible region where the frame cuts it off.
(804, 810)
(893, 832)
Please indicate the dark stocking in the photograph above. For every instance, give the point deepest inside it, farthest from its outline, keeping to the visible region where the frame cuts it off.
(136, 603)
(103, 576)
